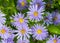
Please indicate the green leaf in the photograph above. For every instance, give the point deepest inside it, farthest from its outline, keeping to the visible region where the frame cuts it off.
(28, 0)
(54, 29)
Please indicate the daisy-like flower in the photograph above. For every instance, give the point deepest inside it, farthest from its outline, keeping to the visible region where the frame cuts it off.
(9, 40)
(39, 3)
(19, 20)
(48, 19)
(54, 39)
(22, 4)
(35, 13)
(2, 18)
(39, 32)
(23, 32)
(4, 32)
(22, 41)
(56, 17)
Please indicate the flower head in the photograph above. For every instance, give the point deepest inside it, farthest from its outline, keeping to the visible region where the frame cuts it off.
(48, 19)
(4, 32)
(39, 32)
(23, 32)
(35, 13)
(19, 20)
(2, 18)
(22, 4)
(56, 17)
(54, 39)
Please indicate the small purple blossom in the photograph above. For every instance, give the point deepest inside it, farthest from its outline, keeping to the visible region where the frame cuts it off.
(56, 17)
(19, 20)
(54, 39)
(35, 13)
(48, 19)
(4, 32)
(39, 32)
(22, 4)
(39, 3)
(23, 32)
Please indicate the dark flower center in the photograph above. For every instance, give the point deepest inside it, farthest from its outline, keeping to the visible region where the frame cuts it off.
(48, 5)
(46, 18)
(55, 18)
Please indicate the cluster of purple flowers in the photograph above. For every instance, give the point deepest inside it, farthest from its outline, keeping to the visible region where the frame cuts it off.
(52, 18)
(5, 32)
(23, 32)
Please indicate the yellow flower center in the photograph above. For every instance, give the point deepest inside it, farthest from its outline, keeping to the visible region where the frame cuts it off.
(2, 31)
(23, 3)
(21, 20)
(55, 41)
(55, 18)
(35, 13)
(39, 31)
(48, 5)
(23, 31)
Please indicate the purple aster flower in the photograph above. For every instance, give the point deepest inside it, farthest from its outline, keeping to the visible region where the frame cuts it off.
(39, 3)
(4, 32)
(8, 40)
(35, 13)
(2, 18)
(48, 19)
(23, 32)
(56, 17)
(22, 41)
(54, 39)
(19, 20)
(22, 4)
(39, 32)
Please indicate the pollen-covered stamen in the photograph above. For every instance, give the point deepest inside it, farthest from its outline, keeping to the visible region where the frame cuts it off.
(48, 5)
(35, 13)
(21, 20)
(55, 41)
(39, 31)
(2, 31)
(23, 3)
(55, 18)
(23, 31)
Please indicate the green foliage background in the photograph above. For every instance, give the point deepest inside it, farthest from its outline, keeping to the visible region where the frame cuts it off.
(8, 7)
